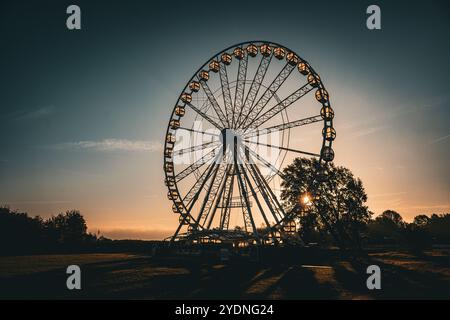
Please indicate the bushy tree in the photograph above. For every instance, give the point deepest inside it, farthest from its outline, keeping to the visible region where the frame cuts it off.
(337, 203)
(439, 228)
(386, 228)
(421, 221)
(67, 228)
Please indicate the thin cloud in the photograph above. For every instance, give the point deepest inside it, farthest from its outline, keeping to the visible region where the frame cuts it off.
(111, 145)
(35, 114)
(387, 194)
(440, 139)
(368, 131)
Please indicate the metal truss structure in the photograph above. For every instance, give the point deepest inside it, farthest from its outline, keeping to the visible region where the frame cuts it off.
(223, 185)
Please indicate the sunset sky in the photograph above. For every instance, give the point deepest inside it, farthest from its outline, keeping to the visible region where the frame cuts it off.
(84, 113)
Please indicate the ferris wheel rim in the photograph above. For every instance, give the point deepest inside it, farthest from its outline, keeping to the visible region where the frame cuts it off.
(241, 44)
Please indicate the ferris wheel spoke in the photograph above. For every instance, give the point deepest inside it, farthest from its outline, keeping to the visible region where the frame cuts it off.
(205, 116)
(264, 161)
(283, 148)
(196, 165)
(193, 194)
(226, 93)
(284, 126)
(298, 94)
(254, 88)
(268, 94)
(199, 131)
(223, 119)
(196, 148)
(240, 87)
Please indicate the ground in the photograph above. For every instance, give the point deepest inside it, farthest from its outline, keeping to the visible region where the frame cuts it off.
(137, 276)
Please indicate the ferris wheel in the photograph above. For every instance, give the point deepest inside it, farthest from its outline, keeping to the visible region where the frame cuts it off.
(241, 116)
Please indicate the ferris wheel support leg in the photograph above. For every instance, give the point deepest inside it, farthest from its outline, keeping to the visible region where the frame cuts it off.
(219, 196)
(225, 210)
(255, 196)
(172, 240)
(201, 216)
(273, 196)
(245, 194)
(265, 195)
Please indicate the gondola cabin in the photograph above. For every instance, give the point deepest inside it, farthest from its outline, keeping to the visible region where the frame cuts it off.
(292, 58)
(252, 50)
(174, 124)
(180, 111)
(169, 181)
(186, 97)
(327, 113)
(170, 138)
(322, 95)
(313, 80)
(177, 207)
(238, 53)
(303, 68)
(203, 75)
(266, 50)
(329, 133)
(226, 58)
(168, 152)
(172, 195)
(327, 154)
(168, 167)
(279, 53)
(194, 86)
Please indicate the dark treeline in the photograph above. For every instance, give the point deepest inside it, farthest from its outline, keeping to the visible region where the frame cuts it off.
(63, 233)
(67, 233)
(389, 228)
(20, 233)
(337, 213)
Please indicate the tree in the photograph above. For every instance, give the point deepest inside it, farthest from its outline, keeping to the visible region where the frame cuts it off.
(69, 228)
(416, 237)
(439, 228)
(387, 228)
(337, 205)
(392, 217)
(421, 221)
(19, 232)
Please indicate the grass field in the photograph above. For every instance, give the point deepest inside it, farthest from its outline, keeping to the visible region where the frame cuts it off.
(133, 276)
